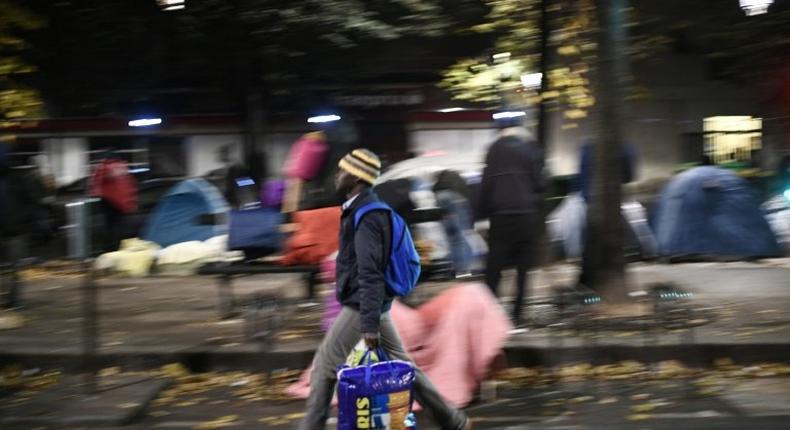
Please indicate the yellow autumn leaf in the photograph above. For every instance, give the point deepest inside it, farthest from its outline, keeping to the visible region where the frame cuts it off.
(643, 408)
(221, 422)
(109, 371)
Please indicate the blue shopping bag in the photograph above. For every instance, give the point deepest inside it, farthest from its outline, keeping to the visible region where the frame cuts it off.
(375, 396)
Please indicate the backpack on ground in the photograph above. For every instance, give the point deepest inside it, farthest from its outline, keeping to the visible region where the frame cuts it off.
(403, 267)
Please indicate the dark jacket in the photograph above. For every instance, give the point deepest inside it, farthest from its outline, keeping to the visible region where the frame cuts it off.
(18, 201)
(512, 179)
(361, 262)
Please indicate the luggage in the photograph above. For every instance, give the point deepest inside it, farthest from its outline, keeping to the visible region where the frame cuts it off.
(306, 157)
(255, 231)
(375, 395)
(316, 236)
(272, 194)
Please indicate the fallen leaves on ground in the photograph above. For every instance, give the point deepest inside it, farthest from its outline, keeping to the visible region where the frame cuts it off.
(52, 270)
(109, 371)
(245, 386)
(665, 370)
(221, 422)
(10, 320)
(643, 408)
(14, 377)
(279, 420)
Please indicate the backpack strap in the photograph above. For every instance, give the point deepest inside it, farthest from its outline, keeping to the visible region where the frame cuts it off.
(395, 236)
(373, 206)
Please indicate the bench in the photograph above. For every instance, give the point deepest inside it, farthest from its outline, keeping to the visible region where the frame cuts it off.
(225, 273)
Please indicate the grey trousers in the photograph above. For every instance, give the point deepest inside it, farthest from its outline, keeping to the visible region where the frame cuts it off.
(338, 343)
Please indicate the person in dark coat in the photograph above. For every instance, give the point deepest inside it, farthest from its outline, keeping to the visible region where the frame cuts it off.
(363, 293)
(510, 198)
(18, 204)
(627, 173)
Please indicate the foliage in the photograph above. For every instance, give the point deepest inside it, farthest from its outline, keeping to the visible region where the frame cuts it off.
(516, 25)
(17, 100)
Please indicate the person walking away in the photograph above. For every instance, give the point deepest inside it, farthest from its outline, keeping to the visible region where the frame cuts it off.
(450, 191)
(117, 188)
(365, 298)
(510, 198)
(627, 174)
(18, 202)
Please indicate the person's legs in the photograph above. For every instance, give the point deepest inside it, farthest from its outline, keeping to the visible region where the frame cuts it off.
(337, 344)
(13, 251)
(113, 226)
(523, 231)
(498, 247)
(446, 416)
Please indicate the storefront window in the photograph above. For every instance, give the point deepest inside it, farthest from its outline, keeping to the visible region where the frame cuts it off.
(732, 138)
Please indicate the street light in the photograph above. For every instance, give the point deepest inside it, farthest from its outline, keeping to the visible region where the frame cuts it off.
(145, 122)
(508, 114)
(171, 5)
(755, 7)
(531, 80)
(323, 118)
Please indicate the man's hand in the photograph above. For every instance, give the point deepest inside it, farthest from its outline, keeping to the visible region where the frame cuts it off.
(371, 340)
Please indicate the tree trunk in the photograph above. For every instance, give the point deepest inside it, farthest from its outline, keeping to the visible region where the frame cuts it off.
(604, 260)
(544, 82)
(544, 255)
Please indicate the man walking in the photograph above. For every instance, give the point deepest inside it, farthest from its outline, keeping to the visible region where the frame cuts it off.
(18, 201)
(510, 199)
(361, 289)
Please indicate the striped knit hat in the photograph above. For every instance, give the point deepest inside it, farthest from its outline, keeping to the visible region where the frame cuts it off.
(363, 164)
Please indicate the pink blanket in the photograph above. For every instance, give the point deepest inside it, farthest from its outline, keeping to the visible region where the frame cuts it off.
(453, 338)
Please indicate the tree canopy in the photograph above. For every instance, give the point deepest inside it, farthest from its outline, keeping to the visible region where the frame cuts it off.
(495, 79)
(17, 98)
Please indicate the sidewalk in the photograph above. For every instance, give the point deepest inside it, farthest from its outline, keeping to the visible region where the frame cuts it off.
(715, 399)
(148, 322)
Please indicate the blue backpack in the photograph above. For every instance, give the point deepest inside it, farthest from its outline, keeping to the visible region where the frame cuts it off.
(403, 268)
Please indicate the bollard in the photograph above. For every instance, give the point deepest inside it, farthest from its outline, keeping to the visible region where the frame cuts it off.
(10, 282)
(79, 246)
(227, 300)
(90, 328)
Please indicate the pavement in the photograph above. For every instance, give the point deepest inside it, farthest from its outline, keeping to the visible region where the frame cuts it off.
(115, 401)
(147, 322)
(238, 400)
(227, 380)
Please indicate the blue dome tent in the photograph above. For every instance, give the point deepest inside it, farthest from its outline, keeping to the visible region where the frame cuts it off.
(189, 211)
(708, 213)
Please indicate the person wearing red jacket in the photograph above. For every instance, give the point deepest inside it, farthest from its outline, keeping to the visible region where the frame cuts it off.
(116, 187)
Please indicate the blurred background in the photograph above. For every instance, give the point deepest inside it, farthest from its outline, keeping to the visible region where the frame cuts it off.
(166, 180)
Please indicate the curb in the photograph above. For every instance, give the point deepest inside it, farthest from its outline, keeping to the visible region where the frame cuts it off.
(202, 360)
(107, 415)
